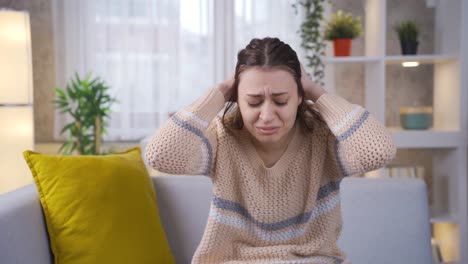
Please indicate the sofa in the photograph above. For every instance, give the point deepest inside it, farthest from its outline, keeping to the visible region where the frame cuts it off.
(385, 221)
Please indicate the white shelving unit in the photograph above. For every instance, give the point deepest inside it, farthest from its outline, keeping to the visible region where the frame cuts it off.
(361, 59)
(447, 139)
(431, 138)
(422, 59)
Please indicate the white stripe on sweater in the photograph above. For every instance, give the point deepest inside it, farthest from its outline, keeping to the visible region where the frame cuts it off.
(194, 118)
(348, 117)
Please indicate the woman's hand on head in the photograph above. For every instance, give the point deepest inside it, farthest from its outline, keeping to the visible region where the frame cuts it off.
(226, 87)
(312, 90)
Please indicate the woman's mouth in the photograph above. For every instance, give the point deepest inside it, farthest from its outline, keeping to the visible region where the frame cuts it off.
(267, 130)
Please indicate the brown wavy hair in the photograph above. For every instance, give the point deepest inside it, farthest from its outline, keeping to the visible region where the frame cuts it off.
(268, 53)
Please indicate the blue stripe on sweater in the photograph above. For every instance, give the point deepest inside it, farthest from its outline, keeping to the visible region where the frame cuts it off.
(315, 259)
(200, 134)
(328, 188)
(258, 229)
(238, 208)
(338, 153)
(235, 207)
(345, 135)
(354, 127)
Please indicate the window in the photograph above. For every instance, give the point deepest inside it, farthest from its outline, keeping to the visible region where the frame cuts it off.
(159, 55)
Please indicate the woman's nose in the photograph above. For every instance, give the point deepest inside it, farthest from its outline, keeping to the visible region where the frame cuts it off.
(267, 113)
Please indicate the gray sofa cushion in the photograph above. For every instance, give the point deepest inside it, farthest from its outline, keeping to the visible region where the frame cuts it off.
(23, 235)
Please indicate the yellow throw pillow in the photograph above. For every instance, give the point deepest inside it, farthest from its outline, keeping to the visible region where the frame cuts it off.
(100, 209)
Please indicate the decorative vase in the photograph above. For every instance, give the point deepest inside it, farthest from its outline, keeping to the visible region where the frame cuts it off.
(409, 47)
(342, 47)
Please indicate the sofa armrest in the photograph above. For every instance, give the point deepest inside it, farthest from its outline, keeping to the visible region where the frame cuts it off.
(23, 233)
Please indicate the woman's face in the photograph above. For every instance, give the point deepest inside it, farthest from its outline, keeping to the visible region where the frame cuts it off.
(268, 101)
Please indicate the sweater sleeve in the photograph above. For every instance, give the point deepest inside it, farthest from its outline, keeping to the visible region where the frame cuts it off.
(187, 142)
(357, 141)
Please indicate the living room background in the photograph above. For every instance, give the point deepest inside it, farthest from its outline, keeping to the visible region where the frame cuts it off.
(252, 21)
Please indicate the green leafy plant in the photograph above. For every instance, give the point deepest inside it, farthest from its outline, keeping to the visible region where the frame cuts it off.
(407, 31)
(88, 103)
(311, 37)
(343, 25)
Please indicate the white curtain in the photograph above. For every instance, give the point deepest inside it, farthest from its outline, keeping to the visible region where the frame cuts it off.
(158, 55)
(267, 18)
(155, 54)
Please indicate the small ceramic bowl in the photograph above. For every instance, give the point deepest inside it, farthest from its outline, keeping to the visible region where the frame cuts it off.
(416, 117)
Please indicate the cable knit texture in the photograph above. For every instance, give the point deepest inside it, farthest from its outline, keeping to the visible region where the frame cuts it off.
(288, 213)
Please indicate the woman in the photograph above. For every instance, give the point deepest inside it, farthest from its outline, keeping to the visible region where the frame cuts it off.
(275, 160)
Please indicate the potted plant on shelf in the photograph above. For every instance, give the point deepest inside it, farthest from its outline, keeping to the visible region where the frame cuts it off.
(408, 33)
(88, 103)
(342, 29)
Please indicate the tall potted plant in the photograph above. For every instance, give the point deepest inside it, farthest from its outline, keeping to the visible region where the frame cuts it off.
(408, 33)
(311, 36)
(342, 29)
(88, 103)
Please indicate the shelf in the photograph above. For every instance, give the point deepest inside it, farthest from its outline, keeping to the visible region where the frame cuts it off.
(444, 218)
(350, 59)
(422, 59)
(427, 138)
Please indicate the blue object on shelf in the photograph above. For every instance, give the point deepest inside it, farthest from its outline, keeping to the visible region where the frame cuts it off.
(416, 117)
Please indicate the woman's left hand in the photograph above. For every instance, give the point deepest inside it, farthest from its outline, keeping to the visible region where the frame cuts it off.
(312, 90)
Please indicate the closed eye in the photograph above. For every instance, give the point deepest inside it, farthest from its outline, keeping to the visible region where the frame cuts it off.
(259, 103)
(255, 104)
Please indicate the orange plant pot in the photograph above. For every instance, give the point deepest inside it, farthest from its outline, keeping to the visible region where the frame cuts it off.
(342, 47)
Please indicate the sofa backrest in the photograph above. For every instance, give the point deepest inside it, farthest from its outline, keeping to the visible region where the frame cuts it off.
(385, 221)
(184, 204)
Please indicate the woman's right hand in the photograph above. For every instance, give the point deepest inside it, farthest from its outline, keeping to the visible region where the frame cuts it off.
(226, 88)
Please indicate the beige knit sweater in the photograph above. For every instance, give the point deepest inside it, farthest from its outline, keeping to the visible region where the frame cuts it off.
(289, 213)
